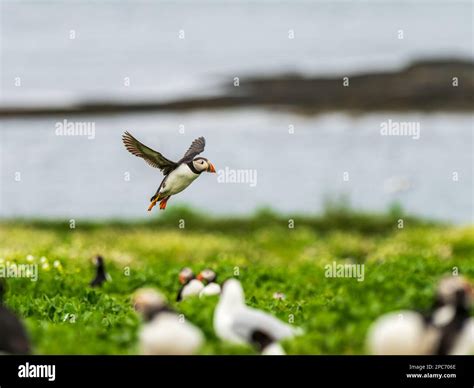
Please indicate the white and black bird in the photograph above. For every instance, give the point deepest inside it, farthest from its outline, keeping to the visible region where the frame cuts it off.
(100, 275)
(190, 286)
(447, 329)
(209, 278)
(13, 336)
(164, 331)
(237, 323)
(178, 175)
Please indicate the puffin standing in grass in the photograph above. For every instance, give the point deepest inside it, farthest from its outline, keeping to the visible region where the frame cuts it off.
(13, 337)
(100, 275)
(446, 330)
(178, 175)
(209, 279)
(237, 323)
(190, 286)
(164, 331)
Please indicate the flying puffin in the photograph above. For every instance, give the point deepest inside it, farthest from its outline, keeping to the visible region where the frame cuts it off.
(164, 331)
(211, 287)
(190, 286)
(237, 323)
(178, 175)
(101, 275)
(445, 330)
(13, 337)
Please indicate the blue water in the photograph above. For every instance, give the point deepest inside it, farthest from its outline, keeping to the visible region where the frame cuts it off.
(77, 177)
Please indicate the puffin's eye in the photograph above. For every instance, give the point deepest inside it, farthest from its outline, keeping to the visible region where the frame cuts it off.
(202, 162)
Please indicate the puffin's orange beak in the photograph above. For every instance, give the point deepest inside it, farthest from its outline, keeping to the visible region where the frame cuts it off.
(199, 277)
(211, 168)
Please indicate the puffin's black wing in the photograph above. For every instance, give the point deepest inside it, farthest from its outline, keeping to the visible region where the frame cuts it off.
(152, 157)
(261, 340)
(197, 146)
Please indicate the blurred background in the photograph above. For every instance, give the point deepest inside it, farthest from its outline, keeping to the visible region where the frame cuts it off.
(165, 71)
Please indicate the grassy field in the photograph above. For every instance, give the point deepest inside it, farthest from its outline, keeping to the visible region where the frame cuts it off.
(65, 316)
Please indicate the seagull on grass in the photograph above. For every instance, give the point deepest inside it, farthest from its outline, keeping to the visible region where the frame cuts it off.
(237, 323)
(178, 175)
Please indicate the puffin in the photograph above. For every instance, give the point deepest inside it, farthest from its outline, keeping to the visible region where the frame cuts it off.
(446, 329)
(237, 323)
(164, 331)
(190, 286)
(100, 276)
(13, 336)
(178, 175)
(209, 278)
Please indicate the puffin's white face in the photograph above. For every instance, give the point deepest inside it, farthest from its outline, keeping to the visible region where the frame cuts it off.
(208, 275)
(455, 289)
(145, 299)
(185, 275)
(202, 164)
(98, 260)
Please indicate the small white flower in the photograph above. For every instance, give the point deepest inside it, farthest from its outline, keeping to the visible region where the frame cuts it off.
(57, 264)
(279, 296)
(43, 260)
(45, 266)
(30, 258)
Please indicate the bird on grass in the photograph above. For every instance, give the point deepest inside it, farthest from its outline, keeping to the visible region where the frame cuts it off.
(209, 279)
(237, 323)
(101, 276)
(13, 337)
(178, 175)
(447, 329)
(164, 332)
(190, 286)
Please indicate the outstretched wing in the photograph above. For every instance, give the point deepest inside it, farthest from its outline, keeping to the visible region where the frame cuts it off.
(197, 146)
(249, 320)
(152, 157)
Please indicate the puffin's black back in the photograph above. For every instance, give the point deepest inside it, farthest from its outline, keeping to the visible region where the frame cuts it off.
(261, 340)
(449, 333)
(155, 311)
(13, 337)
(100, 276)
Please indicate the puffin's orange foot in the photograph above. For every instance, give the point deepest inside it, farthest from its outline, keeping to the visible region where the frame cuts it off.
(163, 203)
(152, 204)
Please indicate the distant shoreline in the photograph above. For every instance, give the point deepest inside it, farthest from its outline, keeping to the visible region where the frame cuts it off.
(422, 86)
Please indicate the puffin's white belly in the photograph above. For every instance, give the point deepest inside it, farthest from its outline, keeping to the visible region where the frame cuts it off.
(397, 333)
(178, 180)
(167, 334)
(210, 289)
(193, 288)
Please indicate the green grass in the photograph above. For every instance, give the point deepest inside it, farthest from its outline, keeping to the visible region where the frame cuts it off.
(65, 316)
